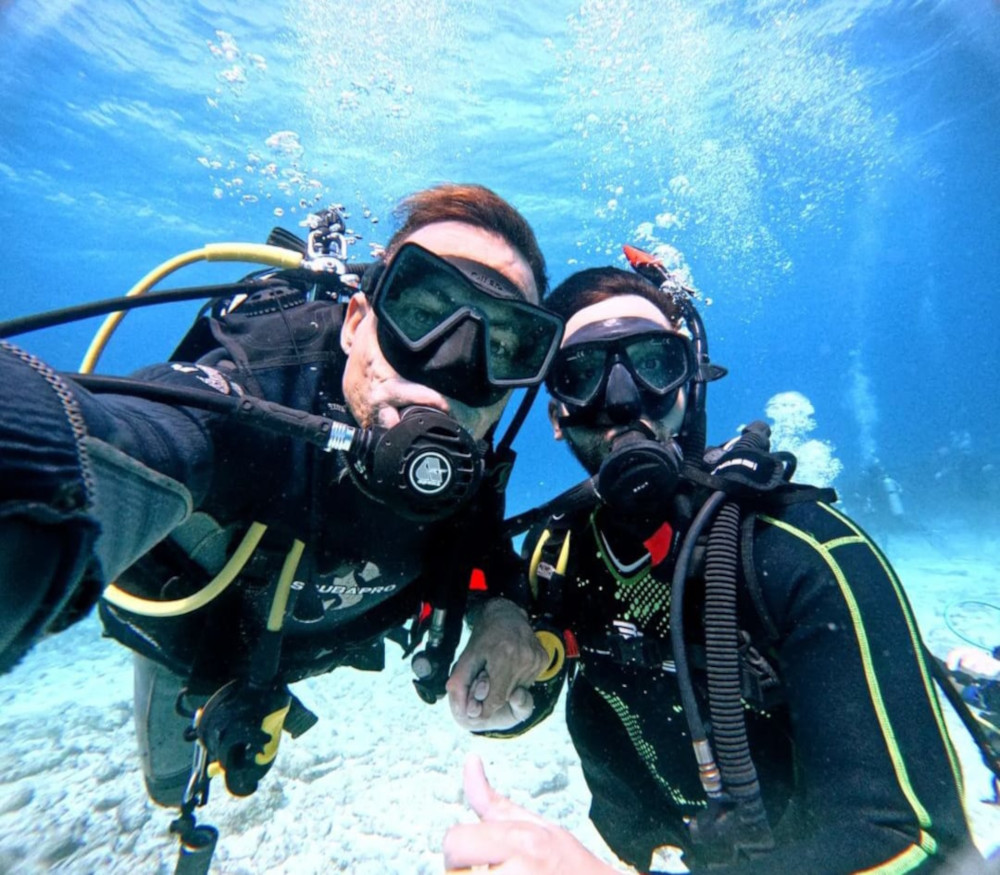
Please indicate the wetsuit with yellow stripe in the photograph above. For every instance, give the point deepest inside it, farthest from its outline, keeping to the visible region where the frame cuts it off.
(856, 770)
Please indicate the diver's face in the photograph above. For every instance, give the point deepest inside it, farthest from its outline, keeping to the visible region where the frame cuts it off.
(591, 444)
(375, 393)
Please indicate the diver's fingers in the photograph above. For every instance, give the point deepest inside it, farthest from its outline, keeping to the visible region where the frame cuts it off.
(465, 849)
(469, 846)
(510, 840)
(522, 703)
(509, 708)
(463, 677)
(485, 801)
(957, 657)
(478, 792)
(518, 848)
(481, 686)
(478, 690)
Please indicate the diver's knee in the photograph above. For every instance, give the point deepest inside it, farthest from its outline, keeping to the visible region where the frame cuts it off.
(164, 752)
(167, 790)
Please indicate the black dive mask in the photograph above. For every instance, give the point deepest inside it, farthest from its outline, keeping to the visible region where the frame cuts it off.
(460, 327)
(426, 467)
(639, 476)
(622, 368)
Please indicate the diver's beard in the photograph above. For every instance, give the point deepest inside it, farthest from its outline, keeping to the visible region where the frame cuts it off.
(597, 446)
(590, 457)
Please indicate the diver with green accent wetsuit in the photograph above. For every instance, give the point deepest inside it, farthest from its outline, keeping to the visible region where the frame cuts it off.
(746, 681)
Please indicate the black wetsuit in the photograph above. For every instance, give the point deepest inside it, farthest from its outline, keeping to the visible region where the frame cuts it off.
(855, 767)
(173, 491)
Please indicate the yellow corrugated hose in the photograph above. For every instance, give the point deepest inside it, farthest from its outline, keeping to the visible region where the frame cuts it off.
(256, 253)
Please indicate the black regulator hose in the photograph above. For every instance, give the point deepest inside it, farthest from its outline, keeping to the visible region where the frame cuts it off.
(708, 772)
(425, 467)
(729, 733)
(38, 321)
(692, 440)
(255, 412)
(729, 730)
(579, 497)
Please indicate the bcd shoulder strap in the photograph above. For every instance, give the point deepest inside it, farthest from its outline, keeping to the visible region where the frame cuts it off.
(274, 328)
(756, 477)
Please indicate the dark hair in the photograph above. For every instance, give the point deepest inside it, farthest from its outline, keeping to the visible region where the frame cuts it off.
(596, 284)
(474, 205)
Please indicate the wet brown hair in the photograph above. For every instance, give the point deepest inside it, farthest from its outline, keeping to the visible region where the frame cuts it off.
(474, 205)
(596, 284)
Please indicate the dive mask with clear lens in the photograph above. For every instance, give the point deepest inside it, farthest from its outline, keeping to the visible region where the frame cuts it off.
(659, 361)
(460, 327)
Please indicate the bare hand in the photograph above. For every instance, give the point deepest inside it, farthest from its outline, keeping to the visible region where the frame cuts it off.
(973, 661)
(488, 687)
(510, 839)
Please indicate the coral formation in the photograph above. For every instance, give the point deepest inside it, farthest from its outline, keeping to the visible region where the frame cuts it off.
(791, 415)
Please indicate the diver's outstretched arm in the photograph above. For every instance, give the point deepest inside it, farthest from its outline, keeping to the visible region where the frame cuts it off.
(87, 485)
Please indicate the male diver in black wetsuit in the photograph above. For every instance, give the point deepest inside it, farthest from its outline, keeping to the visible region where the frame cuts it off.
(746, 680)
(158, 500)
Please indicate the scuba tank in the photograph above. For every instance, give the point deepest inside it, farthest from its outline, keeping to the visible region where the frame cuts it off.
(893, 495)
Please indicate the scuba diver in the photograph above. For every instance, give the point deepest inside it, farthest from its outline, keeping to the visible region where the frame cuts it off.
(314, 467)
(746, 682)
(877, 503)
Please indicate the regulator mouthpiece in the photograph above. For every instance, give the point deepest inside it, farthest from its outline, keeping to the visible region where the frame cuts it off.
(426, 467)
(639, 476)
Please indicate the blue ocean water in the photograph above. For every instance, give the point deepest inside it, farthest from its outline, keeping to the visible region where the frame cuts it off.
(827, 173)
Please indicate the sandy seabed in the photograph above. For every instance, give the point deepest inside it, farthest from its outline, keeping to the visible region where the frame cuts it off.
(375, 784)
